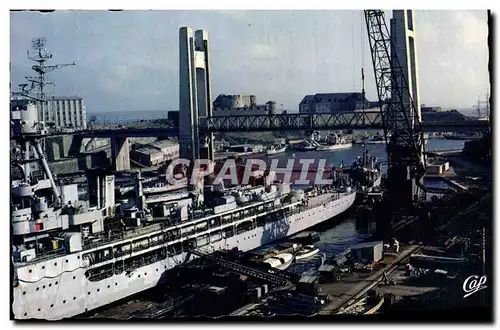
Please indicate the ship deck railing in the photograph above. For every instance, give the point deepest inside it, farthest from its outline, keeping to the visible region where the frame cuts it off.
(46, 255)
(166, 223)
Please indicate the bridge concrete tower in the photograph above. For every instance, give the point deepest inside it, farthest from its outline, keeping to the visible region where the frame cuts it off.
(120, 153)
(403, 33)
(195, 93)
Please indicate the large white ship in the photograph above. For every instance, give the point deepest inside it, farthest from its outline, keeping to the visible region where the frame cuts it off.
(72, 254)
(91, 273)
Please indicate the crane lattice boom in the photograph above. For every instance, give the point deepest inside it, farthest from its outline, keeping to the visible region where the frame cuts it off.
(402, 128)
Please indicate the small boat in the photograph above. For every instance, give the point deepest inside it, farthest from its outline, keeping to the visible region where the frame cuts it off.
(306, 252)
(305, 147)
(281, 261)
(337, 146)
(276, 149)
(306, 237)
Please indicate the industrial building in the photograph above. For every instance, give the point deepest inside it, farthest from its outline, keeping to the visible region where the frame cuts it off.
(243, 104)
(334, 102)
(64, 112)
(155, 153)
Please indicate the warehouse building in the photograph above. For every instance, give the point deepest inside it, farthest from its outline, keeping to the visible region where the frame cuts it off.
(155, 153)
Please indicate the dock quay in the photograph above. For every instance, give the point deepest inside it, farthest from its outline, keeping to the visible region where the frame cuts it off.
(345, 292)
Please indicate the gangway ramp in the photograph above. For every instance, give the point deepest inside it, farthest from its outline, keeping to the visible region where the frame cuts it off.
(276, 277)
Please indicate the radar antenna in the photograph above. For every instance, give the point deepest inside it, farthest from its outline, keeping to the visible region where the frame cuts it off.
(41, 56)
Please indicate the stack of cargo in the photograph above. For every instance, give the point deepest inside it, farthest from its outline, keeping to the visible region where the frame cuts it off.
(368, 252)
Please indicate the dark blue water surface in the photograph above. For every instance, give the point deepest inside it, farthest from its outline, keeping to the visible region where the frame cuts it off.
(336, 237)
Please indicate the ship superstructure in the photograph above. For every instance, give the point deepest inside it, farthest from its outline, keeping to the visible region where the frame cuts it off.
(366, 172)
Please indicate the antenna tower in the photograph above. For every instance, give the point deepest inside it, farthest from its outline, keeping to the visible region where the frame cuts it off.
(40, 55)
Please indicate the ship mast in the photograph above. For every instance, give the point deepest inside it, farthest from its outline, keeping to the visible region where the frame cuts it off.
(37, 91)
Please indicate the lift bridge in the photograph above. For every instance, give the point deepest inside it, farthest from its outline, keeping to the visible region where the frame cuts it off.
(356, 120)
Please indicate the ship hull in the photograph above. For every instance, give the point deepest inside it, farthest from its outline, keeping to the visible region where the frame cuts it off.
(61, 289)
(275, 151)
(335, 147)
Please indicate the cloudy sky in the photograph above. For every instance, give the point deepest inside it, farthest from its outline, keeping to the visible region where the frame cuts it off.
(128, 61)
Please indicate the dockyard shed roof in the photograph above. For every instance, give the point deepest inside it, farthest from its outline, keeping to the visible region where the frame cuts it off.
(366, 245)
(162, 144)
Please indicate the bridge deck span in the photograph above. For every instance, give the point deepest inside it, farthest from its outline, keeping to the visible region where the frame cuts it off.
(368, 120)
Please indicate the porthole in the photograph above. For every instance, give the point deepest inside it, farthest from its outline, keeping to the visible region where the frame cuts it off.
(50, 284)
(66, 260)
(55, 263)
(39, 309)
(56, 283)
(156, 269)
(98, 290)
(37, 288)
(88, 293)
(74, 277)
(74, 298)
(109, 286)
(145, 274)
(116, 284)
(86, 309)
(43, 267)
(24, 292)
(29, 271)
(52, 305)
(78, 257)
(43, 287)
(25, 314)
(64, 301)
(139, 275)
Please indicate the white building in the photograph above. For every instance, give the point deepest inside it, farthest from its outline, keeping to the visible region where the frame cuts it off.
(64, 112)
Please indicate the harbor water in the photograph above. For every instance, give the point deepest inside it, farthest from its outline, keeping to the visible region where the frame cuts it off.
(338, 234)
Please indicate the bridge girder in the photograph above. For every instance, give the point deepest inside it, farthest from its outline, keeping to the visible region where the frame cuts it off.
(289, 122)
